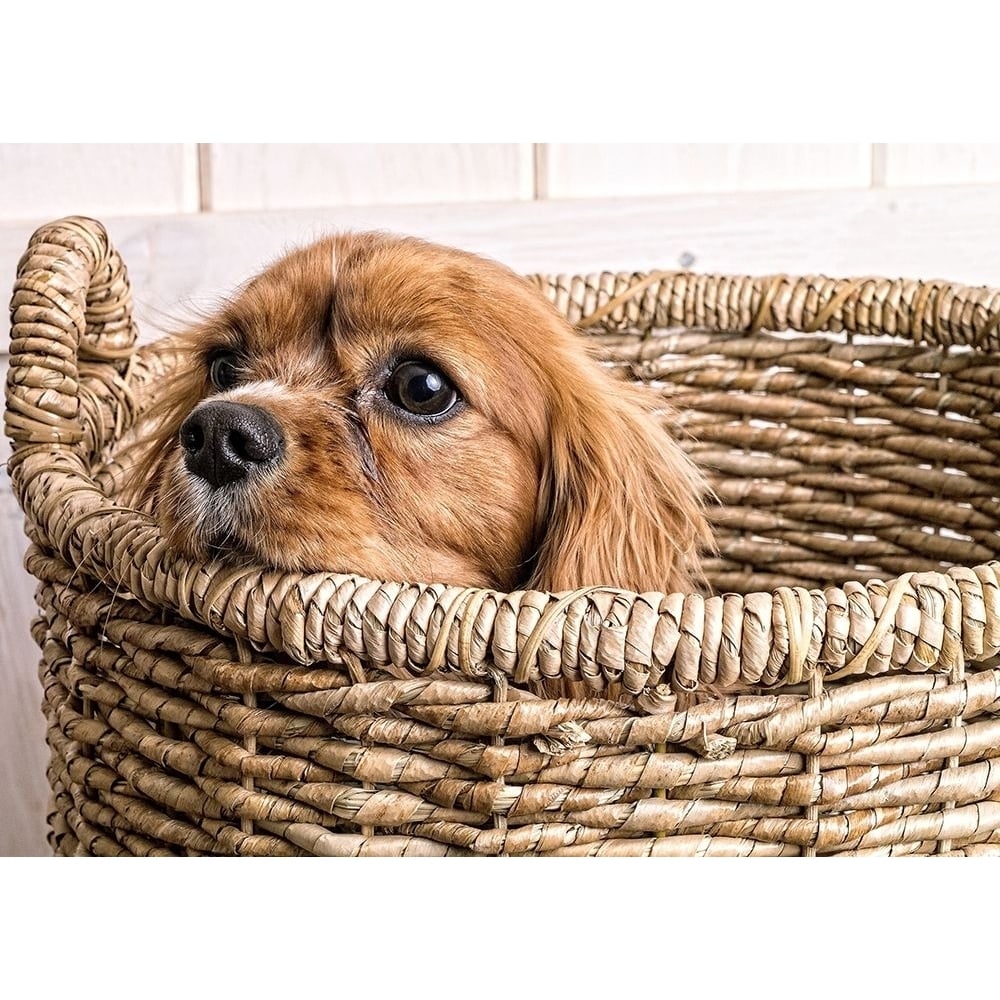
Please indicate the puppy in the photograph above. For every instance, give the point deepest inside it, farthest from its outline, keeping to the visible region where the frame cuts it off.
(386, 407)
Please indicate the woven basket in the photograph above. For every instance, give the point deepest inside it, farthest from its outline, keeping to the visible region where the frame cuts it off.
(202, 709)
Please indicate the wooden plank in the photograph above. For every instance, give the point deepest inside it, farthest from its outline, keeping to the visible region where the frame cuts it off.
(285, 175)
(602, 170)
(23, 754)
(913, 163)
(183, 264)
(52, 179)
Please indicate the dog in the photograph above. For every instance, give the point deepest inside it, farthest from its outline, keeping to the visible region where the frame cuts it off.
(386, 407)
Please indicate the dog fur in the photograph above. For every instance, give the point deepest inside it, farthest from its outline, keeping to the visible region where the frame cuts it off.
(548, 473)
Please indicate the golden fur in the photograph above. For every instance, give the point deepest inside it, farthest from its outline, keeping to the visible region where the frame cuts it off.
(551, 474)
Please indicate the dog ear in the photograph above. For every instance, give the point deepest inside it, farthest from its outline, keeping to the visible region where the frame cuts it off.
(621, 505)
(177, 394)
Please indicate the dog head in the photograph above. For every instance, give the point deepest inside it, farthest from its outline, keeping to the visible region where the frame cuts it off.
(386, 407)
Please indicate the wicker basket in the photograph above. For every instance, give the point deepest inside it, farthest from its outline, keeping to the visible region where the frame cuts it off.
(200, 709)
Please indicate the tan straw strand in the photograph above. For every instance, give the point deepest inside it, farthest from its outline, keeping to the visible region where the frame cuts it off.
(630, 294)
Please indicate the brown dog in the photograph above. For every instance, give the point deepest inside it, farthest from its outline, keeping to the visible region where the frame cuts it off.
(404, 411)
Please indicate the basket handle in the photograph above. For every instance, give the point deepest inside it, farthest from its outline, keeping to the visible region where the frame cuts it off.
(71, 315)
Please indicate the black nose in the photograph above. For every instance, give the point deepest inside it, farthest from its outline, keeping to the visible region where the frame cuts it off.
(224, 441)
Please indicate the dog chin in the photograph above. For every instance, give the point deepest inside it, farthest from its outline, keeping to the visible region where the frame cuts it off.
(207, 525)
(225, 546)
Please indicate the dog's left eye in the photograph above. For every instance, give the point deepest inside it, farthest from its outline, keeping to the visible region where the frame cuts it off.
(224, 370)
(421, 389)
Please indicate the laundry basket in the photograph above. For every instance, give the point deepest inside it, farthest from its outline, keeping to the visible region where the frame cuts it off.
(835, 693)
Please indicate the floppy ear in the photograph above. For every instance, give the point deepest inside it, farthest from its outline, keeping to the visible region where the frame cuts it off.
(621, 504)
(176, 396)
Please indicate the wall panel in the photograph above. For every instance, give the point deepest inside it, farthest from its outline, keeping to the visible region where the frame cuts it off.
(627, 169)
(915, 163)
(45, 181)
(296, 176)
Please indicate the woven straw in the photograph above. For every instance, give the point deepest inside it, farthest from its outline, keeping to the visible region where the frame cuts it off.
(201, 709)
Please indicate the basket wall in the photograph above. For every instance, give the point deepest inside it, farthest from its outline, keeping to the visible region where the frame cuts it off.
(849, 429)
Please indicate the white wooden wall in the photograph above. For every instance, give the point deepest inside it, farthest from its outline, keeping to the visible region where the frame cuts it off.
(193, 220)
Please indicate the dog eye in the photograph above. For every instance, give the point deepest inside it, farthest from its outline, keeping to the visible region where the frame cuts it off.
(420, 388)
(224, 370)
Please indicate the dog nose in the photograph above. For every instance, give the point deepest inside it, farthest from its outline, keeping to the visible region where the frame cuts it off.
(224, 441)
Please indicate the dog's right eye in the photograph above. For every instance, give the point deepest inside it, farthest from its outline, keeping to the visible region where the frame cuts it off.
(224, 370)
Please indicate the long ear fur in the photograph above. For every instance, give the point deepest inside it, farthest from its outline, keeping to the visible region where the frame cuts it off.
(176, 396)
(621, 504)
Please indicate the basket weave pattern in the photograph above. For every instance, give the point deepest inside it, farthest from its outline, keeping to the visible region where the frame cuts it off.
(850, 431)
